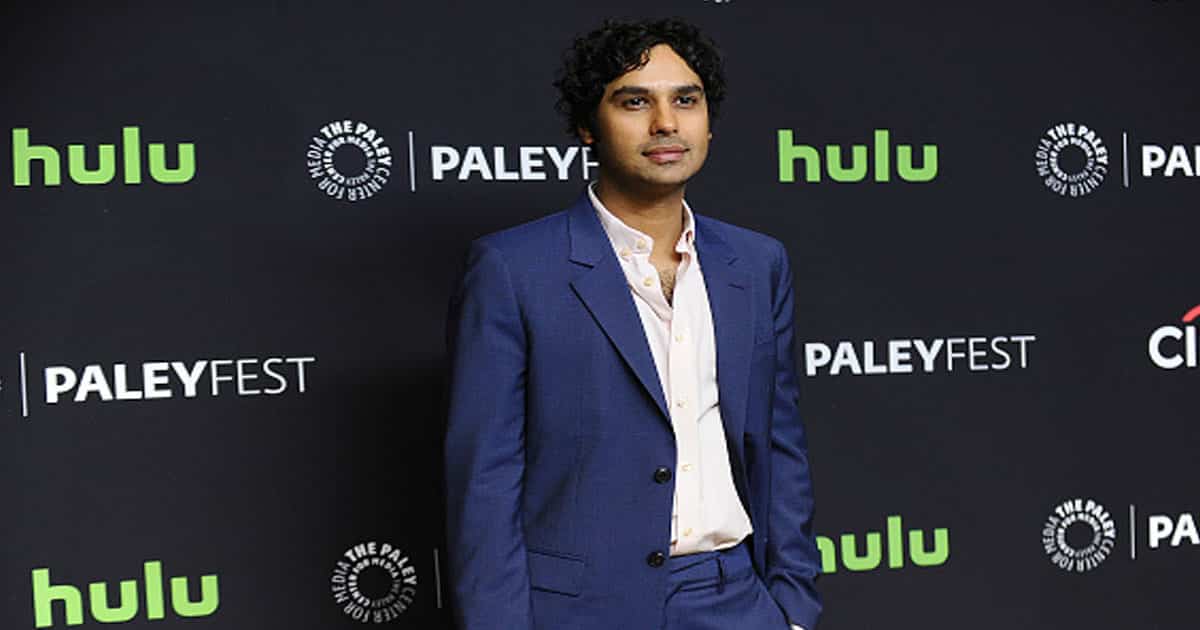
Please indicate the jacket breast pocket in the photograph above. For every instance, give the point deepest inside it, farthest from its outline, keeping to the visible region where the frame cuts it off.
(555, 572)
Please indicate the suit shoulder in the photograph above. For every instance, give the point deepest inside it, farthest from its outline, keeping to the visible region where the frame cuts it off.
(540, 232)
(745, 241)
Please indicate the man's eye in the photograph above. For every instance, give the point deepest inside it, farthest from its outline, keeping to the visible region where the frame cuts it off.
(636, 101)
(687, 100)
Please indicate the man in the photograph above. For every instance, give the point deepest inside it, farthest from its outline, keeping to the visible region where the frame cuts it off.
(624, 449)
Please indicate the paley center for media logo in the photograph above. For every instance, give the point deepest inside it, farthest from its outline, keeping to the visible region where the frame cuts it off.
(1053, 153)
(66, 385)
(906, 356)
(1172, 347)
(1080, 534)
(351, 160)
(1093, 541)
(374, 582)
(1073, 160)
(99, 166)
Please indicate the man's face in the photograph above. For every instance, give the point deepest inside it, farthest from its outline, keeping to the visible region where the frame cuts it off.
(652, 125)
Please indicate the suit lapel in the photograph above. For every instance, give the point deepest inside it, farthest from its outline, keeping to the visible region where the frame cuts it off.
(602, 287)
(729, 297)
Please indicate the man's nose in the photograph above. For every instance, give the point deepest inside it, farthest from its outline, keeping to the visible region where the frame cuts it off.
(664, 122)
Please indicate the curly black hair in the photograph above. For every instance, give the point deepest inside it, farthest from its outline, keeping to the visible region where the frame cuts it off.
(599, 57)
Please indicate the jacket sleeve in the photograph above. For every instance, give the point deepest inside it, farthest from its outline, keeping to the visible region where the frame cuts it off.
(485, 448)
(792, 558)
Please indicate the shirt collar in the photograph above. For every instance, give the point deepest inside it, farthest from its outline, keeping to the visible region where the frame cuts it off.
(625, 238)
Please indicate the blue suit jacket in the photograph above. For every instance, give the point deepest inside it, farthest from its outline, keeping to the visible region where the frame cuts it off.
(557, 423)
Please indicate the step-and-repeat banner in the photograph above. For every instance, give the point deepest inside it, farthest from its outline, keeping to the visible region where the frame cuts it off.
(228, 237)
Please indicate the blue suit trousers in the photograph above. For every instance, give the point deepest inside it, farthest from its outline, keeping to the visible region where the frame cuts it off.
(719, 590)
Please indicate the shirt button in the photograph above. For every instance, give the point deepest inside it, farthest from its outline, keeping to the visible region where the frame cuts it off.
(680, 403)
(686, 468)
(656, 559)
(687, 532)
(678, 336)
(648, 281)
(625, 254)
(641, 245)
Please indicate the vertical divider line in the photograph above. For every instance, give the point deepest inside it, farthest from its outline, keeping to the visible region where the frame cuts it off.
(1125, 156)
(1132, 533)
(24, 390)
(412, 167)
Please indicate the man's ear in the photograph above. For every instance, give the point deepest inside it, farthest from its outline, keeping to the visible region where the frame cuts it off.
(585, 135)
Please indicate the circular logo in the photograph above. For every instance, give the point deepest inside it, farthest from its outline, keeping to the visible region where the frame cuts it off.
(1071, 159)
(349, 160)
(374, 582)
(1079, 535)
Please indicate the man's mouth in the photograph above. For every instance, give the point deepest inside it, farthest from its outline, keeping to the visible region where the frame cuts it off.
(666, 154)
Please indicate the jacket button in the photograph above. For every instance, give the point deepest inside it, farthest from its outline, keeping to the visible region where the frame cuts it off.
(662, 474)
(656, 559)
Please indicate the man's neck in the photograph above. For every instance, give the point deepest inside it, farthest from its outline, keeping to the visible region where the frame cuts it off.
(656, 214)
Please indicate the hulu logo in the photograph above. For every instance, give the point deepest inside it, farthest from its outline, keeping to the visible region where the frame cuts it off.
(862, 158)
(126, 608)
(105, 169)
(855, 559)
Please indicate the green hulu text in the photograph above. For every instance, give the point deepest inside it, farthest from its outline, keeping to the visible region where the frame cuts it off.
(854, 558)
(876, 159)
(104, 159)
(100, 598)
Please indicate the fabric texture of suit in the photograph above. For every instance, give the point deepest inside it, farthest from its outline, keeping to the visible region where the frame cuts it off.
(557, 425)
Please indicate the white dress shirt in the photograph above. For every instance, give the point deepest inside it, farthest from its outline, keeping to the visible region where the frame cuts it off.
(706, 514)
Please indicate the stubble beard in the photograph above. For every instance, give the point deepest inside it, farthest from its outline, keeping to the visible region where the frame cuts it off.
(646, 177)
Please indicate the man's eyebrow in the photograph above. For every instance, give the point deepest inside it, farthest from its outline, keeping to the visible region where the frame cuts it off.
(637, 90)
(630, 90)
